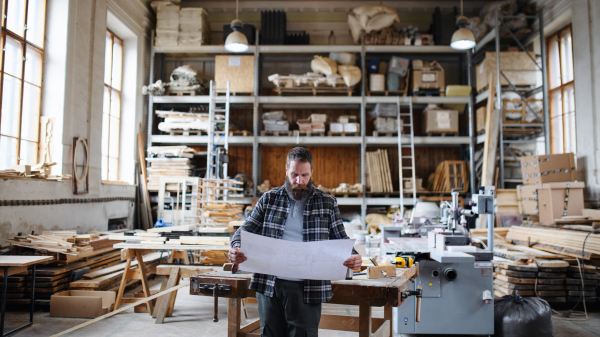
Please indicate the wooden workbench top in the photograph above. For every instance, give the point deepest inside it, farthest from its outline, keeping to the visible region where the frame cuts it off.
(22, 261)
(171, 247)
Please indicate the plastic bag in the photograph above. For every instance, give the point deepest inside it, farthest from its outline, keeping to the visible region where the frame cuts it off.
(516, 316)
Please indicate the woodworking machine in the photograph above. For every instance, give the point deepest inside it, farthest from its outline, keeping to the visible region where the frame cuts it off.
(456, 277)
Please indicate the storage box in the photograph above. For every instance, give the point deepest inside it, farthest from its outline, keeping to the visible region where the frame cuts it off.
(560, 199)
(318, 118)
(548, 168)
(336, 127)
(81, 303)
(516, 60)
(428, 76)
(351, 127)
(238, 70)
(528, 199)
(304, 125)
(346, 119)
(441, 121)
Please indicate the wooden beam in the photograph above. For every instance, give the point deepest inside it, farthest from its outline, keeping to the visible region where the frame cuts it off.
(120, 310)
(163, 302)
(345, 323)
(492, 129)
(383, 331)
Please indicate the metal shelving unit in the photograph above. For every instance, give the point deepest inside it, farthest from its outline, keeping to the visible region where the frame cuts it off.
(505, 141)
(359, 102)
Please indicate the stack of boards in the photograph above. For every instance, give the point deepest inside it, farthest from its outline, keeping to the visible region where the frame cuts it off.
(574, 287)
(168, 161)
(379, 176)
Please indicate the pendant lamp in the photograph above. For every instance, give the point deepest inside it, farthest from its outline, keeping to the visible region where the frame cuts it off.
(462, 38)
(236, 41)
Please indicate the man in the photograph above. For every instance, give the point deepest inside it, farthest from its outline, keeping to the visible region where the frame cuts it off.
(296, 211)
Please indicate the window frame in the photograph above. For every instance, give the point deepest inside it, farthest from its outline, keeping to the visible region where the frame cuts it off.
(560, 88)
(111, 89)
(25, 45)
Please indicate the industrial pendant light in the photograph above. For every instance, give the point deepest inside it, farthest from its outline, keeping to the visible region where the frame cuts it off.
(462, 38)
(236, 41)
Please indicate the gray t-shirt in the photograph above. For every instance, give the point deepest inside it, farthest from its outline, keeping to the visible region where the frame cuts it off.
(294, 225)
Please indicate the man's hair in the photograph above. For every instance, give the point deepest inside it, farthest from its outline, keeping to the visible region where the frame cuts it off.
(301, 154)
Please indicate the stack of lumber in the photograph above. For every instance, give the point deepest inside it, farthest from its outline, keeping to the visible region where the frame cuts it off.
(551, 279)
(66, 246)
(39, 171)
(574, 285)
(15, 291)
(52, 279)
(168, 161)
(449, 175)
(109, 278)
(379, 176)
(213, 211)
(566, 242)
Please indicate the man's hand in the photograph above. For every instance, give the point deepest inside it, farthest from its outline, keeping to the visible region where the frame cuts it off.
(235, 256)
(354, 262)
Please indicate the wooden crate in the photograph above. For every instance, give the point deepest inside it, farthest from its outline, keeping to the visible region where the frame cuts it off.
(507, 201)
(238, 70)
(486, 70)
(522, 111)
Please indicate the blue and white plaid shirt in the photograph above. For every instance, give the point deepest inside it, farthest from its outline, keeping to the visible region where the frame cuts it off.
(322, 221)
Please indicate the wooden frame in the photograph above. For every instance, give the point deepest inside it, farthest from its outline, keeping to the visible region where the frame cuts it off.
(560, 88)
(25, 45)
(86, 168)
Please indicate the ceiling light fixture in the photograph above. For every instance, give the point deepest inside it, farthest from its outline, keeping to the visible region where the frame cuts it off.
(236, 41)
(462, 38)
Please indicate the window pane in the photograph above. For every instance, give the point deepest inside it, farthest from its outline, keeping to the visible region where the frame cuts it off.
(556, 104)
(553, 64)
(106, 101)
(569, 95)
(117, 64)
(28, 153)
(15, 16)
(14, 57)
(31, 112)
(8, 152)
(35, 22)
(105, 132)
(33, 67)
(570, 138)
(566, 56)
(107, 59)
(113, 143)
(115, 104)
(11, 97)
(556, 127)
(113, 169)
(104, 168)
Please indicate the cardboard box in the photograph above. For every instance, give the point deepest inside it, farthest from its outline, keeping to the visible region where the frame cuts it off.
(351, 127)
(507, 201)
(238, 70)
(560, 199)
(336, 127)
(441, 120)
(528, 199)
(548, 168)
(318, 118)
(81, 303)
(481, 113)
(428, 76)
(486, 70)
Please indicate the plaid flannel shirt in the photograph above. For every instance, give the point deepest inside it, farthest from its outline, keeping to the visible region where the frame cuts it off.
(322, 221)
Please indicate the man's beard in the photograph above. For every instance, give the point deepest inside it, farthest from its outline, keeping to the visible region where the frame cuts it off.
(298, 191)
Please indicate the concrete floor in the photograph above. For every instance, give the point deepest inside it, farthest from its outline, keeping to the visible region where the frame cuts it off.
(192, 316)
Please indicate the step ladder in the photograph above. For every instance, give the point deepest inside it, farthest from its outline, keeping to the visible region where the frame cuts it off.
(218, 140)
(406, 162)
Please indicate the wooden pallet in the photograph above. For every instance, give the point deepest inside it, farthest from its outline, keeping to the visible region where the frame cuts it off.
(181, 93)
(388, 93)
(244, 133)
(384, 134)
(309, 133)
(428, 92)
(442, 134)
(343, 134)
(276, 133)
(178, 132)
(314, 91)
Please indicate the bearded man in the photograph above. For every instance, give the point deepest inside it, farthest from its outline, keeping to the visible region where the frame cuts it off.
(296, 211)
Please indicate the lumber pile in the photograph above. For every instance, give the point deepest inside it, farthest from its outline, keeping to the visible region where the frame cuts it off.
(449, 175)
(15, 291)
(169, 161)
(39, 171)
(566, 242)
(379, 176)
(574, 287)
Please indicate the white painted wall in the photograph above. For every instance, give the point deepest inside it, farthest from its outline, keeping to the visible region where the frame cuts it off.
(73, 93)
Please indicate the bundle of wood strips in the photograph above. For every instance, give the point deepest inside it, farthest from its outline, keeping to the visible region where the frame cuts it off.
(379, 176)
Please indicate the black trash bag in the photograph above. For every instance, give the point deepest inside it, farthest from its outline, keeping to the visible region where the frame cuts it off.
(515, 316)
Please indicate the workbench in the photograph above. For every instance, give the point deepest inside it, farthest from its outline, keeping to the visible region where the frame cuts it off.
(362, 291)
(131, 251)
(11, 265)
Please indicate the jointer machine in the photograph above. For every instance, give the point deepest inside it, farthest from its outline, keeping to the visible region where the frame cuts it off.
(456, 277)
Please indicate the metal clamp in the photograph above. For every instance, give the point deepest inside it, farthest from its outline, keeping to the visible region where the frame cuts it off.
(216, 290)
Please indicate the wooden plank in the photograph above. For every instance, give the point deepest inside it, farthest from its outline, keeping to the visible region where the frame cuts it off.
(162, 305)
(233, 316)
(364, 320)
(22, 261)
(144, 278)
(120, 310)
(144, 183)
(13, 270)
(514, 279)
(185, 271)
(492, 127)
(521, 274)
(345, 323)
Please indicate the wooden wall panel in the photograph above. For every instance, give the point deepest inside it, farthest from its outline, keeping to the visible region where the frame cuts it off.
(240, 161)
(332, 165)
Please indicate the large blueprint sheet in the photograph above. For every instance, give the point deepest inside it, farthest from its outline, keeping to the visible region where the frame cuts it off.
(317, 260)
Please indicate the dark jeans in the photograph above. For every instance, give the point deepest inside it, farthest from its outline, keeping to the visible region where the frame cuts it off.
(286, 314)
